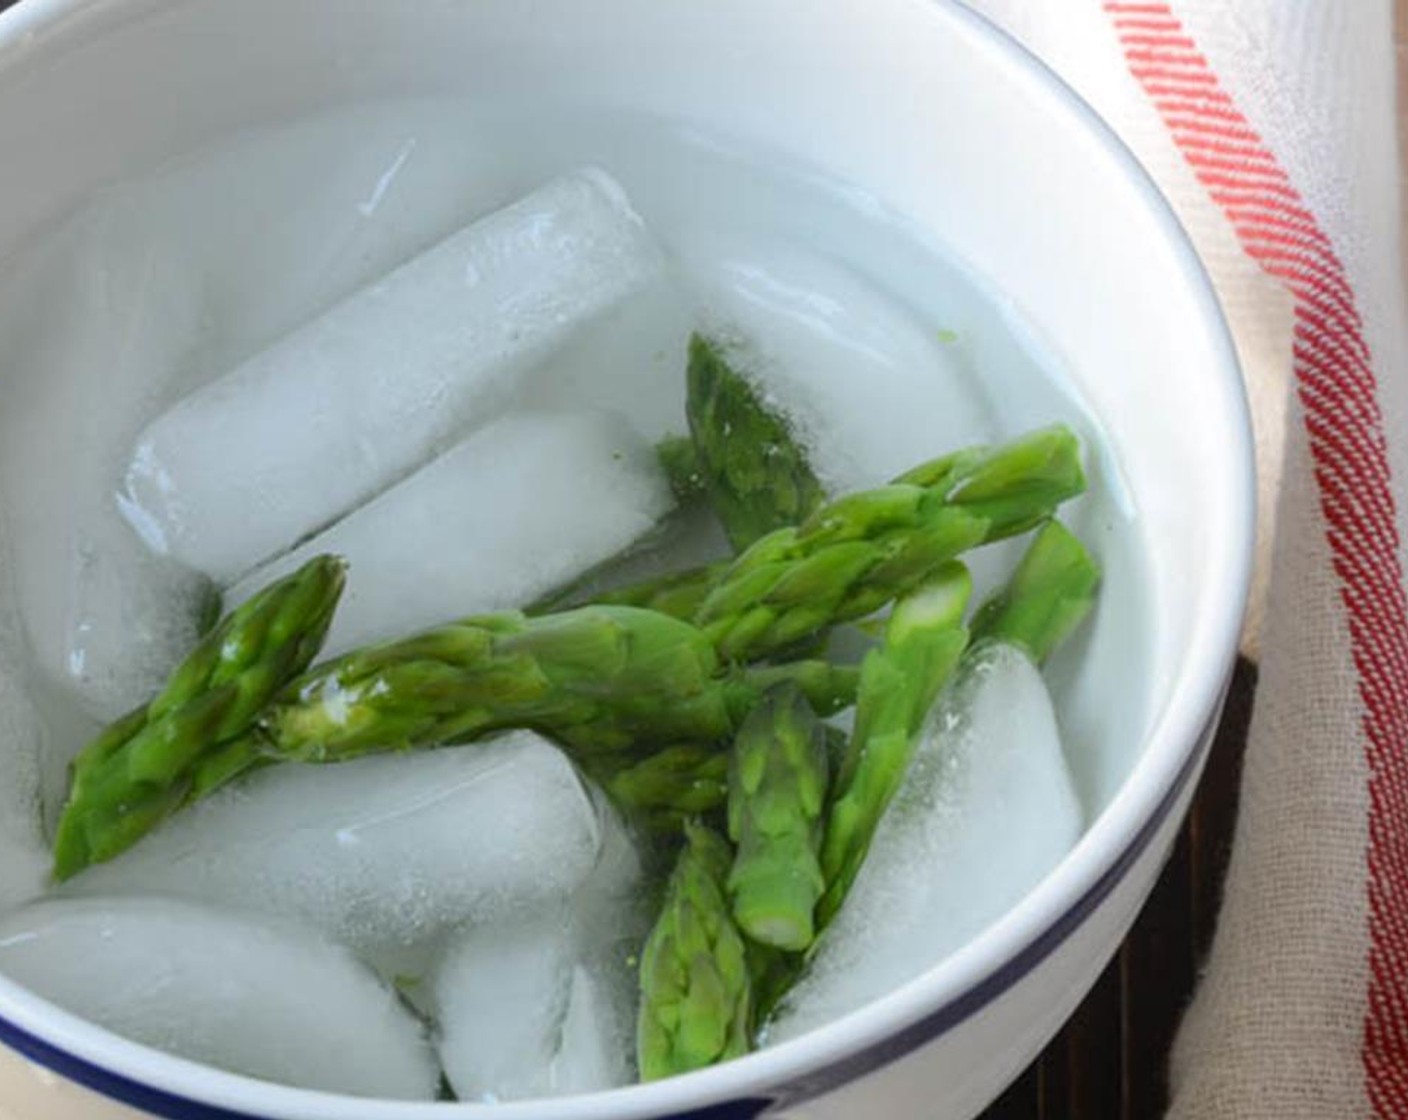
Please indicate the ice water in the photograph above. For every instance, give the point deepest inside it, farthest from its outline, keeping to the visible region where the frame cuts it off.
(882, 348)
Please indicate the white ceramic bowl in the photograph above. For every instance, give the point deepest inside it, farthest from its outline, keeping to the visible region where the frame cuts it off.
(946, 121)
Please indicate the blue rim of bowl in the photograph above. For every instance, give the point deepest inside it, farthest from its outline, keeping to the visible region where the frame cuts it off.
(173, 1107)
(883, 1051)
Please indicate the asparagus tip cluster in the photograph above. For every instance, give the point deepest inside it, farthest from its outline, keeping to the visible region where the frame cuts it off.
(685, 697)
(696, 1004)
(143, 767)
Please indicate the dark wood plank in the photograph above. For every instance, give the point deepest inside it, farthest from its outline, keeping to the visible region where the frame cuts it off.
(1022, 1101)
(1085, 1080)
(1156, 976)
(1214, 814)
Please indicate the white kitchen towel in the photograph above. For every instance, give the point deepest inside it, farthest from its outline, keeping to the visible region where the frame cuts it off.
(1270, 126)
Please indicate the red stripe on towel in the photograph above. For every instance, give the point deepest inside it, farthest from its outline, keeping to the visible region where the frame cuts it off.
(1338, 393)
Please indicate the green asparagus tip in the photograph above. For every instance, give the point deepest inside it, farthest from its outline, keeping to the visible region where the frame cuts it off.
(144, 767)
(753, 467)
(696, 1004)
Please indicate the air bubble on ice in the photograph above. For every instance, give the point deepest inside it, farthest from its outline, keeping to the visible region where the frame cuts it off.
(267, 1000)
(986, 811)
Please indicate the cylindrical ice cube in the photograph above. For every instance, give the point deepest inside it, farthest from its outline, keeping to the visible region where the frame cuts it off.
(520, 1016)
(500, 996)
(542, 1002)
(382, 853)
(517, 509)
(299, 434)
(213, 985)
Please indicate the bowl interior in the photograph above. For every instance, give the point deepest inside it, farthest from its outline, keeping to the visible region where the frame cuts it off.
(919, 106)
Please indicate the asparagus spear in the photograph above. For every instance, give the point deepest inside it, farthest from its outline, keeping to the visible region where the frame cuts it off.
(664, 789)
(1048, 596)
(599, 679)
(777, 791)
(1049, 593)
(855, 554)
(140, 769)
(678, 594)
(899, 680)
(756, 474)
(695, 988)
(680, 462)
(683, 594)
(744, 457)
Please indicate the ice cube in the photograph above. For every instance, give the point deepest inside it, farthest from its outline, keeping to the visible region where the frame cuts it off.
(24, 856)
(521, 1017)
(541, 1004)
(134, 617)
(596, 1042)
(265, 1000)
(986, 810)
(383, 853)
(611, 917)
(631, 361)
(97, 321)
(500, 996)
(869, 387)
(299, 434)
(516, 510)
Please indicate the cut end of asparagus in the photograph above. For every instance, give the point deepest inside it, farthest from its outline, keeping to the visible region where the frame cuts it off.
(937, 604)
(759, 918)
(777, 794)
